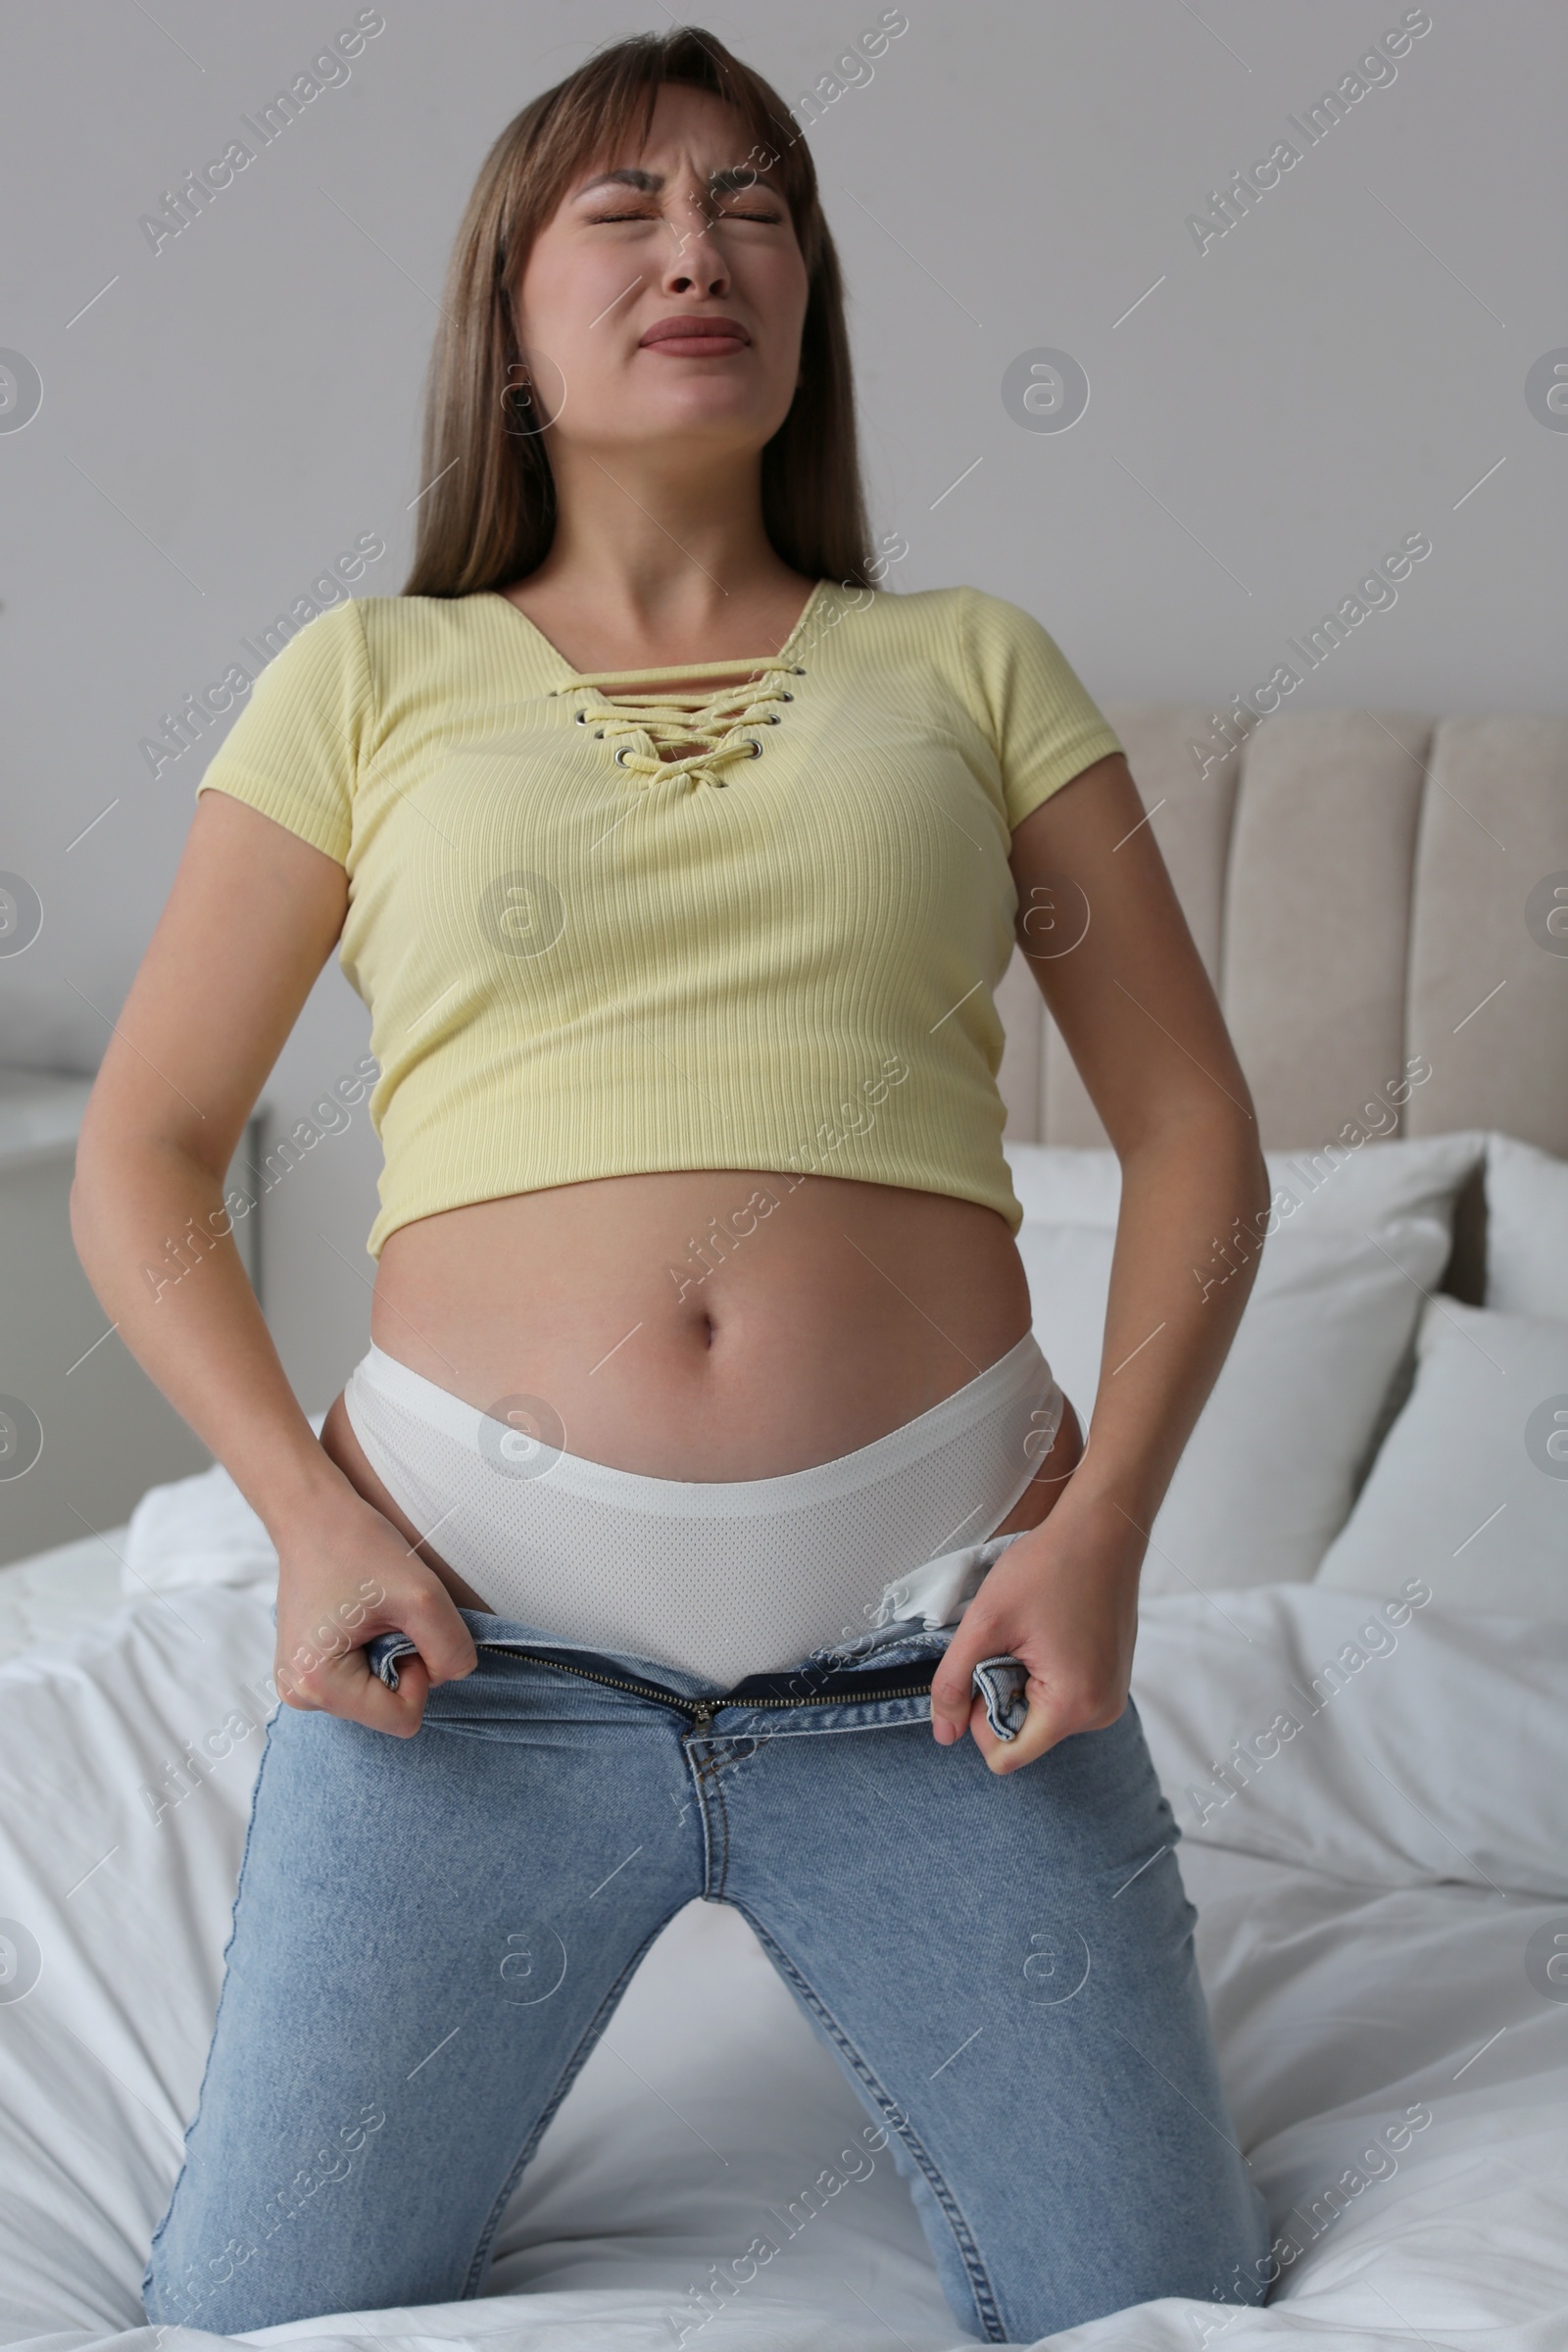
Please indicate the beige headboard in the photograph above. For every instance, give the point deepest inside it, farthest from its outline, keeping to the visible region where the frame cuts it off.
(1358, 884)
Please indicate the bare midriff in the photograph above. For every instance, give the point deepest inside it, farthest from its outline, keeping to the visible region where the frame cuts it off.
(673, 1325)
(843, 1312)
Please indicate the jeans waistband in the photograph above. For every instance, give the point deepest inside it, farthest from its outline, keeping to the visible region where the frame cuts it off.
(850, 1675)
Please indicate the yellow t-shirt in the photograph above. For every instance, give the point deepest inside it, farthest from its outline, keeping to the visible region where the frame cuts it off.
(776, 950)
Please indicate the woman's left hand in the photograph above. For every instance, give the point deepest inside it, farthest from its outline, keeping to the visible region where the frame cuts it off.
(1063, 1599)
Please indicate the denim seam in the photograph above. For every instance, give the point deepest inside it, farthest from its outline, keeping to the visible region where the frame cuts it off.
(584, 2050)
(711, 1769)
(980, 2285)
(222, 1996)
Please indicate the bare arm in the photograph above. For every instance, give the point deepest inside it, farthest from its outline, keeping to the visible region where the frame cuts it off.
(250, 919)
(1142, 1022)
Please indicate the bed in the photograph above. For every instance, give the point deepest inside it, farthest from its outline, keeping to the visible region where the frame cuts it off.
(1353, 1666)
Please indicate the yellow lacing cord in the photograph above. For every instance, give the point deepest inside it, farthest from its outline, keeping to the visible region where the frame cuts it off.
(714, 721)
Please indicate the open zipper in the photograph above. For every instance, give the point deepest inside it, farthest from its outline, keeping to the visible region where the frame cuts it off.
(703, 1710)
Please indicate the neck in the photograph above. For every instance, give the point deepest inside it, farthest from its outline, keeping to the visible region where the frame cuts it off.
(653, 547)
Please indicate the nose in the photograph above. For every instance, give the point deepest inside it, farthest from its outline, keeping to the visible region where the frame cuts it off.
(695, 263)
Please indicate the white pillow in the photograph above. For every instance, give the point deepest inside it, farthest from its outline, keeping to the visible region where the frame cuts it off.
(1064, 1184)
(1470, 1487)
(1336, 1185)
(1068, 1267)
(1268, 1475)
(1527, 1228)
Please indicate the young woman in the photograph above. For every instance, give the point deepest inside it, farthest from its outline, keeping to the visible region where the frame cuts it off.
(677, 865)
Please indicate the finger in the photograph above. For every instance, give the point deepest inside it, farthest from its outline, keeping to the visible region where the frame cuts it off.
(953, 1697)
(399, 1712)
(1043, 1726)
(365, 1698)
(953, 1694)
(346, 1688)
(431, 1620)
(989, 1744)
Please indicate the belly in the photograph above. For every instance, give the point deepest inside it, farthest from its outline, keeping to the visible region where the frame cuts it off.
(707, 1324)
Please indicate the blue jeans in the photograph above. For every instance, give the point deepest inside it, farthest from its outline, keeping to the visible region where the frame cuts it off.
(431, 1934)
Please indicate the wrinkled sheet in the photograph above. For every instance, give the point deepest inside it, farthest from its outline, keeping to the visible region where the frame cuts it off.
(1378, 1888)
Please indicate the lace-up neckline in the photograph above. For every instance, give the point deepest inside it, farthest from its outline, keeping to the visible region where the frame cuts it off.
(660, 726)
(646, 732)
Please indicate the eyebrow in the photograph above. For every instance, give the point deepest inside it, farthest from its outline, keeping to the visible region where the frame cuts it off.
(649, 183)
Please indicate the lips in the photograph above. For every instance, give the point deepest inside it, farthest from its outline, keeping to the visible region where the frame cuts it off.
(696, 336)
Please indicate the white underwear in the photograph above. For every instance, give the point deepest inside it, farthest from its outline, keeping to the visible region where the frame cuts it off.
(737, 1577)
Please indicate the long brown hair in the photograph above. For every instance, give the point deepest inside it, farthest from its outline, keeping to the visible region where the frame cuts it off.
(488, 515)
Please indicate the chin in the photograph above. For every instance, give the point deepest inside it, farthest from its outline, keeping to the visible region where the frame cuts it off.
(711, 411)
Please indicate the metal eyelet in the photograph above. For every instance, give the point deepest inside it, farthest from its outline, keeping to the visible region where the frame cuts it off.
(599, 734)
(756, 749)
(772, 719)
(620, 756)
(797, 671)
(787, 696)
(582, 718)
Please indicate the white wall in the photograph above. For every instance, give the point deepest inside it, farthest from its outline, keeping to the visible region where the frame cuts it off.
(1338, 370)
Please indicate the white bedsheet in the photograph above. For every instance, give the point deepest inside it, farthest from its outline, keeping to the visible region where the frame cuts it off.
(1366, 1903)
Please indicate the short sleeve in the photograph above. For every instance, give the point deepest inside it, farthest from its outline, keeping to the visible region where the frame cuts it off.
(1042, 721)
(294, 751)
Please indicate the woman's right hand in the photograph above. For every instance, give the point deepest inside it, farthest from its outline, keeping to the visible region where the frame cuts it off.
(346, 1579)
(252, 918)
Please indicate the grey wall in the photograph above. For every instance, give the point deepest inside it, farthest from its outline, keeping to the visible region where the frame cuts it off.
(1271, 410)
